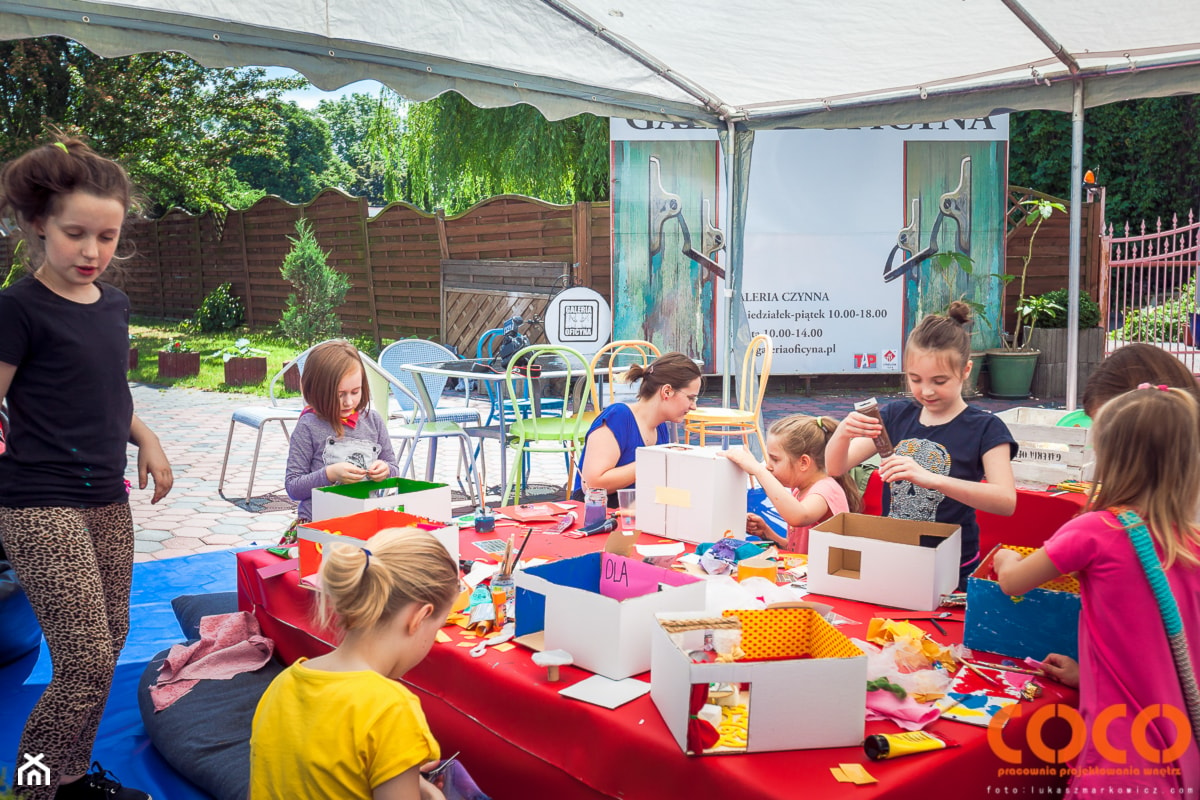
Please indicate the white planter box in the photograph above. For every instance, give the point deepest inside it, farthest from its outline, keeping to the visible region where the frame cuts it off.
(1048, 454)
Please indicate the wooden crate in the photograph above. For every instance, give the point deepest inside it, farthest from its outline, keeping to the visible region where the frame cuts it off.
(1048, 454)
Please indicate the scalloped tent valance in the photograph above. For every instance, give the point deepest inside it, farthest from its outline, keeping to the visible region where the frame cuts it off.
(763, 63)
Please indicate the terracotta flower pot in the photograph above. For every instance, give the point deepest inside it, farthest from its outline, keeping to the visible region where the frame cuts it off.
(291, 378)
(245, 371)
(178, 365)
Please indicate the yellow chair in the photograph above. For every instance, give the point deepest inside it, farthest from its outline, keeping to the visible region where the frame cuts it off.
(752, 385)
(556, 431)
(635, 351)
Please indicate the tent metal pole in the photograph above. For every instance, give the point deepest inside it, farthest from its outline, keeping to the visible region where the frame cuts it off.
(730, 166)
(1074, 251)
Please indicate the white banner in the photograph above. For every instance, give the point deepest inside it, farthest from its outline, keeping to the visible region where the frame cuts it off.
(825, 210)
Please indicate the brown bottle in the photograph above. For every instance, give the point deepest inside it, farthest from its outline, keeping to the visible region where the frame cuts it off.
(883, 444)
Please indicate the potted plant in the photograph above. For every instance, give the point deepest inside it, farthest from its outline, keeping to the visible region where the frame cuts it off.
(243, 364)
(1011, 367)
(177, 360)
(1050, 337)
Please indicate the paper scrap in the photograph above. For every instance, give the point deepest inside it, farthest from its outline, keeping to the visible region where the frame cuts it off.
(491, 545)
(442, 636)
(504, 648)
(466, 644)
(479, 573)
(601, 691)
(668, 496)
(839, 775)
(857, 773)
(653, 550)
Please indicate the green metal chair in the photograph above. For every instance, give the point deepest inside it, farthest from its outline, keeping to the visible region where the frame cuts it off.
(556, 431)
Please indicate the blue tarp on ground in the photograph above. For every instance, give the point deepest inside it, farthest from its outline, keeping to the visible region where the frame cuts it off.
(122, 745)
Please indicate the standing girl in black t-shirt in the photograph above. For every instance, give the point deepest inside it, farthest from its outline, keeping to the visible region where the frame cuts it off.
(64, 509)
(944, 447)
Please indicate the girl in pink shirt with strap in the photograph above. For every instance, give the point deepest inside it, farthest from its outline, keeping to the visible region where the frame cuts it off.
(795, 480)
(1131, 687)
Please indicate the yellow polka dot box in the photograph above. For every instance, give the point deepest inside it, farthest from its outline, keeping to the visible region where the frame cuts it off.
(751, 681)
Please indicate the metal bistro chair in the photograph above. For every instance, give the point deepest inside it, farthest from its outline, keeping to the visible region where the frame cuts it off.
(414, 351)
(423, 424)
(258, 417)
(752, 385)
(605, 360)
(545, 433)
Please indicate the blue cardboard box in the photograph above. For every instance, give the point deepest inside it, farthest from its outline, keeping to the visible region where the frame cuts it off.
(1042, 621)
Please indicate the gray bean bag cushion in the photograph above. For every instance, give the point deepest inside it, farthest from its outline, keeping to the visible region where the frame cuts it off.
(205, 735)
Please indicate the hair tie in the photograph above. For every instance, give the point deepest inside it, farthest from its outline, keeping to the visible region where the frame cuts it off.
(820, 424)
(1162, 387)
(63, 147)
(368, 561)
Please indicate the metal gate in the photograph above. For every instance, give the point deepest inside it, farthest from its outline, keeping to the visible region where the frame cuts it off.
(1148, 288)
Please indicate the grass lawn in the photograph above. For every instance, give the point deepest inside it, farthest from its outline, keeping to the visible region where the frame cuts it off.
(151, 335)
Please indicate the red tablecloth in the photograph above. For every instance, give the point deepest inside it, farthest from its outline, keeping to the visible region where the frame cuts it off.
(522, 740)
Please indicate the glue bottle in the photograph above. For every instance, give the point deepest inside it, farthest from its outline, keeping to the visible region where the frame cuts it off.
(883, 443)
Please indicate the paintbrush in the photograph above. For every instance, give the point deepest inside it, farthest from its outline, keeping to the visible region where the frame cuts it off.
(982, 674)
(505, 567)
(1023, 670)
(521, 549)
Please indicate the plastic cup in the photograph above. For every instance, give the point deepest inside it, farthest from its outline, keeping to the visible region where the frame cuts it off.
(627, 509)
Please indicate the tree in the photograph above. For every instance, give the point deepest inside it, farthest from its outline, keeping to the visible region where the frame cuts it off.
(173, 123)
(365, 134)
(458, 154)
(1145, 152)
(311, 315)
(304, 164)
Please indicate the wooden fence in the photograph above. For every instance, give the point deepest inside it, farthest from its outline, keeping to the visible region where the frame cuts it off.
(1048, 268)
(393, 260)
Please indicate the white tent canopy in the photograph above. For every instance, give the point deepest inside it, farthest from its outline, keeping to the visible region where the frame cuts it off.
(764, 63)
(754, 64)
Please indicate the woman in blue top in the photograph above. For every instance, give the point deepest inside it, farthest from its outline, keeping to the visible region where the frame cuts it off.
(668, 392)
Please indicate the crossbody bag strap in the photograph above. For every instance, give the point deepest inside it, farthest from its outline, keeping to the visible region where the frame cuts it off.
(1143, 546)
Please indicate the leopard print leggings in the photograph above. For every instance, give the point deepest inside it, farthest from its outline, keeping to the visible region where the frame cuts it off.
(76, 565)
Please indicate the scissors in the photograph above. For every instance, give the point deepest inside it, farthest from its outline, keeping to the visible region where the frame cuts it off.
(437, 771)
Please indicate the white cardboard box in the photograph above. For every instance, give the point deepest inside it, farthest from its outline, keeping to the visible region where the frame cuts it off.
(424, 499)
(600, 608)
(356, 529)
(689, 493)
(794, 704)
(880, 560)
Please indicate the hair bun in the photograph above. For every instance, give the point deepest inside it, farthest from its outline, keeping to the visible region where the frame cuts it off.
(960, 312)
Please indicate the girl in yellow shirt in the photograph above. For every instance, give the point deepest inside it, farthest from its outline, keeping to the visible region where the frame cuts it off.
(341, 725)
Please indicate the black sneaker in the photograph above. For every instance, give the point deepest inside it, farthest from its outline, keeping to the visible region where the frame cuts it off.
(98, 784)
